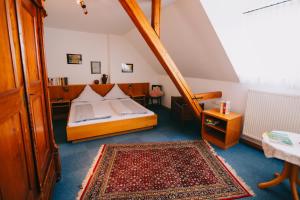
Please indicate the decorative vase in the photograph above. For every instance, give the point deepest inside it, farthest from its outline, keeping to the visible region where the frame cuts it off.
(104, 78)
(96, 82)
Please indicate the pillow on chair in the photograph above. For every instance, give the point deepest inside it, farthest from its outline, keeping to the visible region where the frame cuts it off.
(156, 92)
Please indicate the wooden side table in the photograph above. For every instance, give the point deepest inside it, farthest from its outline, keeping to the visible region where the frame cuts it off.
(222, 130)
(60, 108)
(291, 156)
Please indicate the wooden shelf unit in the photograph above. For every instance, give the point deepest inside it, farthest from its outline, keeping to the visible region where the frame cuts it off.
(224, 134)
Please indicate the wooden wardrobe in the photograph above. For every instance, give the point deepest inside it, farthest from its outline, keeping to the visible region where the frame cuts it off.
(29, 160)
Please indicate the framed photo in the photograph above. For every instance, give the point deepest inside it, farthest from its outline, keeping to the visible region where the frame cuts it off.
(95, 67)
(127, 68)
(74, 58)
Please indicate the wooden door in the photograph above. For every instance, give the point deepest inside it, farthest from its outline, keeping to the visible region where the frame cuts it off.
(16, 158)
(28, 27)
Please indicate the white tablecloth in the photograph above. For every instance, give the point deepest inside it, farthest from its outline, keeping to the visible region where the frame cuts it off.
(284, 152)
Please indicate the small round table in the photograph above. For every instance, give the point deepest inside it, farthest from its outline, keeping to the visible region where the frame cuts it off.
(291, 156)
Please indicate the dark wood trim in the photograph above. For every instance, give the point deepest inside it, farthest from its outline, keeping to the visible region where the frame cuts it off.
(70, 92)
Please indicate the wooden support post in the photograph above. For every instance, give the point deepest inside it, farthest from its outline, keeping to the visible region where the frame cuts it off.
(153, 41)
(155, 16)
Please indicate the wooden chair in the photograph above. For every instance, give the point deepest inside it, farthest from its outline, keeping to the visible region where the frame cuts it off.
(157, 98)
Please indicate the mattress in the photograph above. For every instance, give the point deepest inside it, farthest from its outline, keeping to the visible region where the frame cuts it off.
(111, 109)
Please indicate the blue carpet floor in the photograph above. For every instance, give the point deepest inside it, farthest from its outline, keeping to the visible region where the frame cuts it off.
(249, 163)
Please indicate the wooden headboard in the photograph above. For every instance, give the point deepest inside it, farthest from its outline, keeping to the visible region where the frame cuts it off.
(71, 92)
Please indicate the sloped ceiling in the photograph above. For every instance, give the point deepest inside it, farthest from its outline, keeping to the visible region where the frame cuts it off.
(191, 41)
(105, 16)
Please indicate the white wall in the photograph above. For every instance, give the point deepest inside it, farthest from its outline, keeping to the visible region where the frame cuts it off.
(111, 50)
(122, 51)
(234, 92)
(59, 42)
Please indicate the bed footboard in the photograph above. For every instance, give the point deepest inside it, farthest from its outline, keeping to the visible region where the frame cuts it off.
(110, 128)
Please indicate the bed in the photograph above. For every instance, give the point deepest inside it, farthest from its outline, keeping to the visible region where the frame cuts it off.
(114, 114)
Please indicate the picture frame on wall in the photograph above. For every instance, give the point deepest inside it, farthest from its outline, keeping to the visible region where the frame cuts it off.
(127, 68)
(74, 58)
(95, 67)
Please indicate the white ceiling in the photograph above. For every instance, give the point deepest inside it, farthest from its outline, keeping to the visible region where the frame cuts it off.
(105, 16)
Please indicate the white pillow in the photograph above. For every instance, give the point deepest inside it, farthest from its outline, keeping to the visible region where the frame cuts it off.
(88, 94)
(115, 93)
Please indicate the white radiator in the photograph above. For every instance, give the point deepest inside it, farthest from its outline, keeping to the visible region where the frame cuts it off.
(267, 111)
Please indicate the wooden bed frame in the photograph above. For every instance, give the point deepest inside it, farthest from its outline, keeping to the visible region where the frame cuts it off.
(105, 129)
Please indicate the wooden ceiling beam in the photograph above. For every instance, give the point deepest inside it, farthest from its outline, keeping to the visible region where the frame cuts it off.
(141, 22)
(155, 16)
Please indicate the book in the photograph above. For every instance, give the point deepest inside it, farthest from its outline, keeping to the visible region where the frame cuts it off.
(63, 81)
(211, 122)
(279, 137)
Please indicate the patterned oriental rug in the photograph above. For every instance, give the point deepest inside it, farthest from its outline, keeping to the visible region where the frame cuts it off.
(175, 170)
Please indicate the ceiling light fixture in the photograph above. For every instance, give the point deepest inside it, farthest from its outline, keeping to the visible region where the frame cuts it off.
(83, 6)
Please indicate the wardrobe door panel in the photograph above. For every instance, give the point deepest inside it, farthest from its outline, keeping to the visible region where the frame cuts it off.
(34, 82)
(16, 159)
(28, 14)
(39, 129)
(7, 70)
(15, 183)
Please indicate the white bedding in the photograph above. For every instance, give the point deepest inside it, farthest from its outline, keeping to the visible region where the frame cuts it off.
(103, 109)
(127, 106)
(85, 112)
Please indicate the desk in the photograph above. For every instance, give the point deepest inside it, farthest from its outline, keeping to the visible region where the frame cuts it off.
(140, 98)
(181, 111)
(291, 156)
(60, 108)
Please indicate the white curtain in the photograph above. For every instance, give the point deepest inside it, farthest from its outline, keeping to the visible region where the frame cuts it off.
(272, 44)
(263, 46)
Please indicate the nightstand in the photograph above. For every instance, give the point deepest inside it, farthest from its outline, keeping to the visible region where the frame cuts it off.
(60, 108)
(223, 130)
